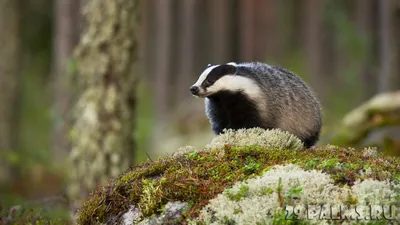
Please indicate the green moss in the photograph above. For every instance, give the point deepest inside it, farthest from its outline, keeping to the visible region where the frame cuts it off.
(312, 163)
(145, 170)
(94, 211)
(330, 163)
(268, 191)
(193, 155)
(351, 200)
(197, 177)
(293, 192)
(148, 200)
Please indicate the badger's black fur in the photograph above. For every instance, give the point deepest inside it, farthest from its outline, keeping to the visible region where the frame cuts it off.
(248, 95)
(221, 105)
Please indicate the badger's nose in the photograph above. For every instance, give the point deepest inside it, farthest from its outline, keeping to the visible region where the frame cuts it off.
(194, 90)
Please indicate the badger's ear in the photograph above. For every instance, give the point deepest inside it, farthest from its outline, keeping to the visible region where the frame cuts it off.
(208, 65)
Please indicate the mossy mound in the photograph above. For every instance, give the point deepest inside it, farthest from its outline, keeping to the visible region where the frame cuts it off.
(376, 122)
(195, 177)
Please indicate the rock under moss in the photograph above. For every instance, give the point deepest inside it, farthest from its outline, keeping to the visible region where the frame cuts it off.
(196, 177)
(376, 122)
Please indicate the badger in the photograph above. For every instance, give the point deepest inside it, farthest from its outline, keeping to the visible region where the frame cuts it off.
(255, 94)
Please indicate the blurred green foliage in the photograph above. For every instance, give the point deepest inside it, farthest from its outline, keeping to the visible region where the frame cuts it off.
(33, 215)
(35, 111)
(145, 121)
(35, 121)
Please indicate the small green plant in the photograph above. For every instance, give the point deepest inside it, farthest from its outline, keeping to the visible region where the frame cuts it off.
(351, 200)
(330, 163)
(293, 192)
(312, 163)
(251, 167)
(193, 155)
(268, 191)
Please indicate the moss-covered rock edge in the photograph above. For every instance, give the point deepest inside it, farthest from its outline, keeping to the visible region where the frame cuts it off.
(198, 176)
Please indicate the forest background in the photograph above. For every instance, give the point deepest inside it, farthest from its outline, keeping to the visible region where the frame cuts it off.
(347, 50)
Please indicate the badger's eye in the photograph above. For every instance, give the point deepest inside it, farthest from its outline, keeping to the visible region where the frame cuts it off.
(207, 83)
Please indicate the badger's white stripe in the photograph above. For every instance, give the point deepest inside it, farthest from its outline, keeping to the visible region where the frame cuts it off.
(236, 83)
(232, 63)
(204, 75)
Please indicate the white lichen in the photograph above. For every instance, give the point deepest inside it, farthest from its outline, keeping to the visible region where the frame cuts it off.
(275, 139)
(290, 189)
(132, 216)
(331, 147)
(173, 212)
(184, 150)
(370, 152)
(375, 192)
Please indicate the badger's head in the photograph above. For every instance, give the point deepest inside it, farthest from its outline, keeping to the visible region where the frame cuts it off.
(225, 77)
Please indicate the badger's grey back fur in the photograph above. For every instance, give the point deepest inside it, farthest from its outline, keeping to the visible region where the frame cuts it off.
(271, 97)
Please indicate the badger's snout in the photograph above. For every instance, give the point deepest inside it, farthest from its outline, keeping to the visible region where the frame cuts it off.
(194, 90)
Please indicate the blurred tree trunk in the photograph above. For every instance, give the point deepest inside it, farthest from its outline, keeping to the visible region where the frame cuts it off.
(102, 135)
(145, 38)
(246, 30)
(257, 36)
(221, 39)
(388, 45)
(288, 19)
(365, 19)
(10, 57)
(384, 45)
(266, 32)
(313, 11)
(187, 35)
(396, 44)
(66, 31)
(163, 14)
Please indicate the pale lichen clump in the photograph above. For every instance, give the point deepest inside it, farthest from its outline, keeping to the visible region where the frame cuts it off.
(132, 216)
(285, 191)
(184, 150)
(275, 139)
(376, 192)
(171, 214)
(370, 152)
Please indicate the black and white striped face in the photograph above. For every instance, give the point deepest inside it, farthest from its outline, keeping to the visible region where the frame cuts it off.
(217, 78)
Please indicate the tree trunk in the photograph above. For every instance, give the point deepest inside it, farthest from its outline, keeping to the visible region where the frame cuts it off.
(313, 41)
(384, 45)
(9, 77)
(163, 57)
(186, 50)
(66, 32)
(288, 19)
(102, 135)
(145, 38)
(266, 32)
(396, 45)
(388, 45)
(221, 39)
(364, 19)
(246, 30)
